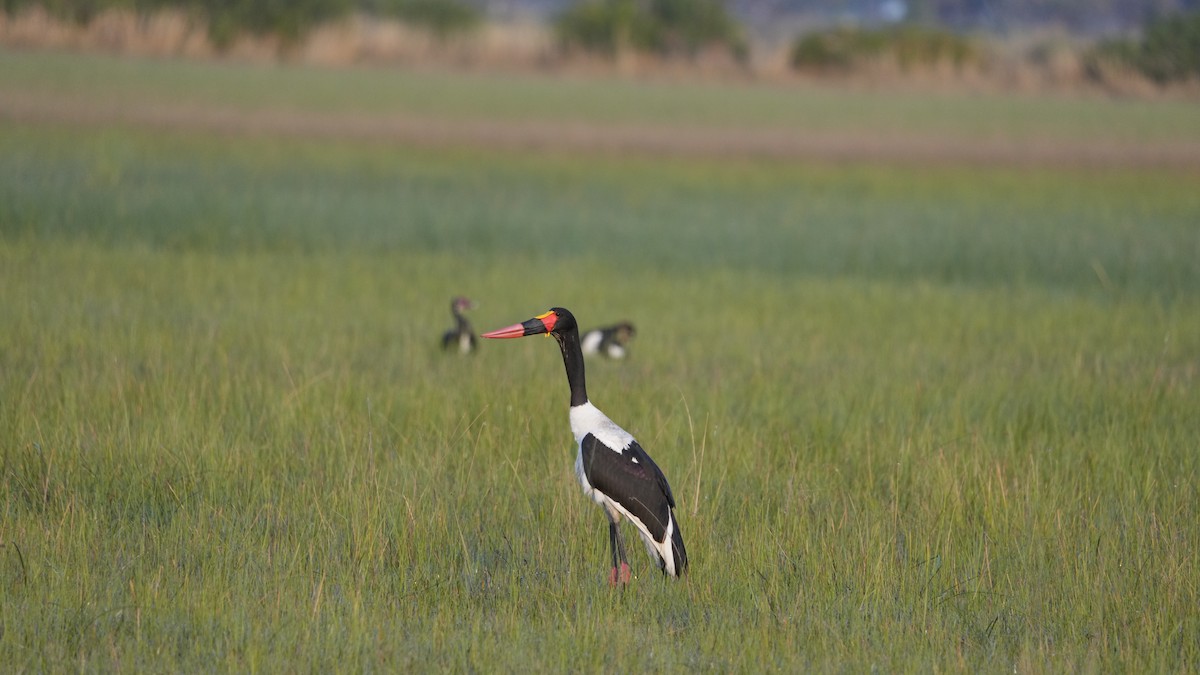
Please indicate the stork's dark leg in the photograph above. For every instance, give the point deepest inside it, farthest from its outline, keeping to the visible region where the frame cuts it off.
(620, 571)
(612, 541)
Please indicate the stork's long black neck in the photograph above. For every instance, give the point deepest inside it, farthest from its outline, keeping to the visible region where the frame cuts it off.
(572, 355)
(464, 326)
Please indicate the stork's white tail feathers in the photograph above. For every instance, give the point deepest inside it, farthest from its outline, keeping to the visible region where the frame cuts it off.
(670, 552)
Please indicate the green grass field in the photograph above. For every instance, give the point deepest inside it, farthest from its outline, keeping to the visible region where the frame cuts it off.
(917, 418)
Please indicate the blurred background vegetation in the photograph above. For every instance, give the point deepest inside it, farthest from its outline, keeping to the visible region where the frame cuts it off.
(666, 27)
(1111, 42)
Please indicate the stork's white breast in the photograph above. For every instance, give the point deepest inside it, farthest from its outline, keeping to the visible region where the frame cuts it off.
(587, 419)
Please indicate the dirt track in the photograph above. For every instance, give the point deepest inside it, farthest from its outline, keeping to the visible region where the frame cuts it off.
(22, 107)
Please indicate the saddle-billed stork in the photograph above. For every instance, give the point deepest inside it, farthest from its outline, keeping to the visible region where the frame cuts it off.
(462, 336)
(608, 341)
(612, 467)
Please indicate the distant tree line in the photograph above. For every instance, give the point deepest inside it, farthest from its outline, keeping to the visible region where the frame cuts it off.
(1084, 16)
(1167, 48)
(661, 26)
(291, 20)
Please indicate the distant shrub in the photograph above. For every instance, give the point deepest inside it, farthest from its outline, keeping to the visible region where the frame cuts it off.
(667, 27)
(443, 17)
(290, 20)
(1169, 50)
(909, 46)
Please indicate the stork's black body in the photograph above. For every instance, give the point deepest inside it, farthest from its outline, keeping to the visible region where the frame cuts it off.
(612, 467)
(630, 478)
(461, 338)
(610, 341)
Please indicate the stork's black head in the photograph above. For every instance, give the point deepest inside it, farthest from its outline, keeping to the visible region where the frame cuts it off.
(563, 321)
(556, 322)
(461, 303)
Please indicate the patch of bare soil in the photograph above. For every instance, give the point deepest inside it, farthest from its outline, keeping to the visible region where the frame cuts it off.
(656, 140)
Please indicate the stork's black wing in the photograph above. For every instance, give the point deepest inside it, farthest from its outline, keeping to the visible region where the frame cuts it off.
(638, 486)
(635, 451)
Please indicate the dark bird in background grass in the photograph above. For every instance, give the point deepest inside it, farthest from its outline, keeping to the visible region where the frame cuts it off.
(461, 338)
(608, 341)
(614, 470)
